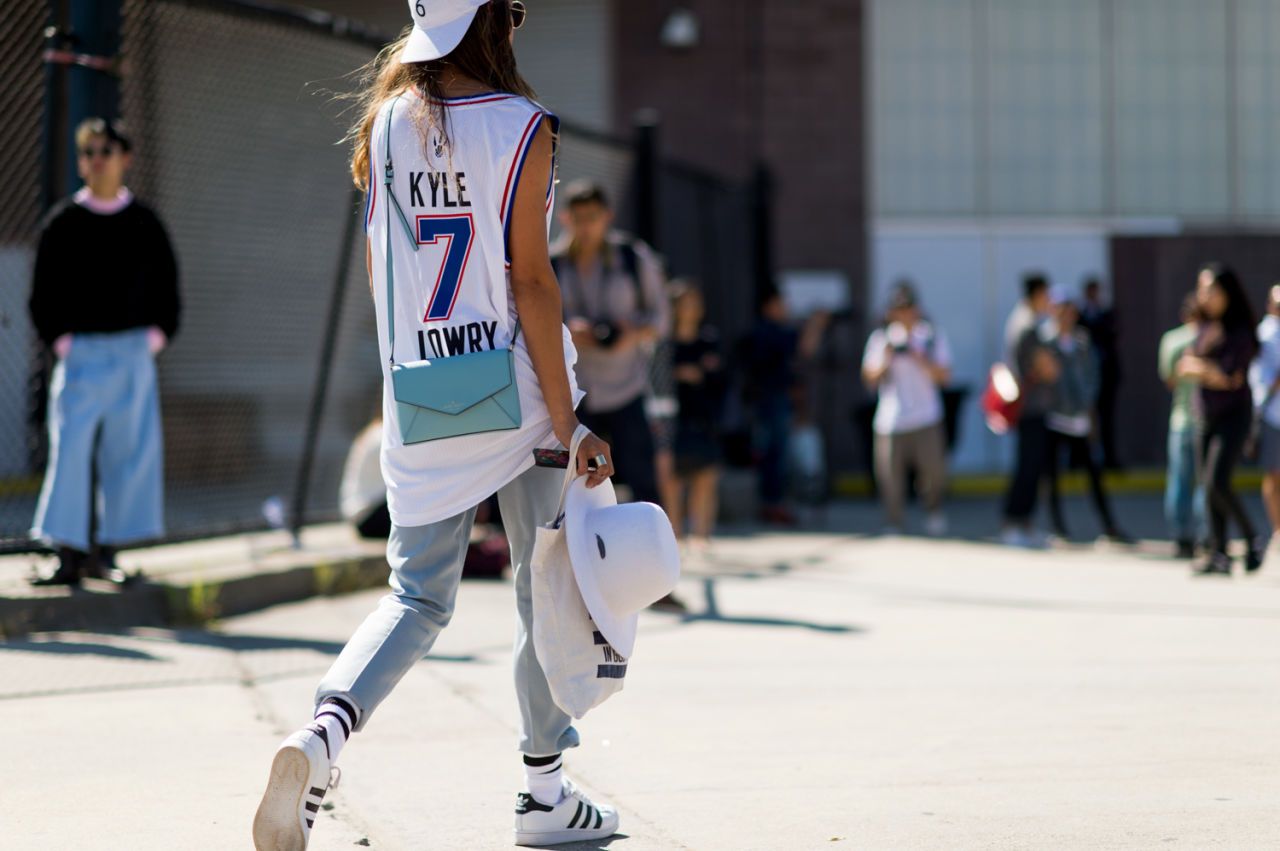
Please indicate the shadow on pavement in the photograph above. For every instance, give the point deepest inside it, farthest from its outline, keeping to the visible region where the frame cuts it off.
(713, 614)
(593, 845)
(235, 643)
(76, 648)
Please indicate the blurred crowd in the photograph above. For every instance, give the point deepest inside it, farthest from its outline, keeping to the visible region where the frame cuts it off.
(679, 403)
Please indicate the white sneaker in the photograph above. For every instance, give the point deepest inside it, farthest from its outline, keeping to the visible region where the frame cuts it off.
(300, 777)
(574, 819)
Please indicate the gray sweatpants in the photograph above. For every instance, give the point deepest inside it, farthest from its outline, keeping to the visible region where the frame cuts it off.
(426, 565)
(926, 451)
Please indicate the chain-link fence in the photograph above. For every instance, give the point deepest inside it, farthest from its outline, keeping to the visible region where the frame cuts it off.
(236, 134)
(22, 103)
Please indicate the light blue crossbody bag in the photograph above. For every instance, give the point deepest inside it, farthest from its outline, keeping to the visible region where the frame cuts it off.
(452, 396)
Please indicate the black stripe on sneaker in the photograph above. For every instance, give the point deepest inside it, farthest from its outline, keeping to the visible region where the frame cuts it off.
(310, 823)
(320, 731)
(318, 792)
(599, 818)
(586, 822)
(315, 808)
(526, 802)
(574, 821)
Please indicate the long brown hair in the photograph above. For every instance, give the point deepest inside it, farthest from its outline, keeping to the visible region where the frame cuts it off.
(484, 55)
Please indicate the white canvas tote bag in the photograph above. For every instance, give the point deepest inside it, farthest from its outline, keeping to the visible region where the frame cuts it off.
(582, 669)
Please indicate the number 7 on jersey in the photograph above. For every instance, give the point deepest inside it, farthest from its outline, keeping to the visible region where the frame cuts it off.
(457, 232)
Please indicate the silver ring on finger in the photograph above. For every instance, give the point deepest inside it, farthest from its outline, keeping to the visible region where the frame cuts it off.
(600, 461)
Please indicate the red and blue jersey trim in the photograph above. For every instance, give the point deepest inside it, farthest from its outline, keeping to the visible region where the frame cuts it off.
(473, 100)
(513, 179)
(370, 197)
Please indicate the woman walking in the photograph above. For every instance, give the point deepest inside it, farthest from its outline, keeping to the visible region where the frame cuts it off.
(1218, 362)
(105, 301)
(450, 135)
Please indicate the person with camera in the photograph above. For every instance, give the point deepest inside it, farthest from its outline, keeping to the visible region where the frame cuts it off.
(907, 362)
(616, 307)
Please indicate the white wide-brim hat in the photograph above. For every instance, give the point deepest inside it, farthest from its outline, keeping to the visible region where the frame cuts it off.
(624, 557)
(438, 27)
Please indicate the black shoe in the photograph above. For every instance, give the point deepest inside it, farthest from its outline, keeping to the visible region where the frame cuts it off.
(1186, 549)
(103, 566)
(1218, 564)
(1117, 537)
(1255, 555)
(70, 565)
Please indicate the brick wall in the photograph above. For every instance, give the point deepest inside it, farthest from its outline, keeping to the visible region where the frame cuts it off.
(773, 80)
(780, 82)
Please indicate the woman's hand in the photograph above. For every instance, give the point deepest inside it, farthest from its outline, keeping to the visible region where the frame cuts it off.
(589, 450)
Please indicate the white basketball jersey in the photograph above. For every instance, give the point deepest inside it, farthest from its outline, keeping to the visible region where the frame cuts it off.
(453, 294)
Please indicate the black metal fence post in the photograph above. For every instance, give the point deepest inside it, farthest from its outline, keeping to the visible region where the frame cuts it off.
(762, 229)
(647, 171)
(321, 387)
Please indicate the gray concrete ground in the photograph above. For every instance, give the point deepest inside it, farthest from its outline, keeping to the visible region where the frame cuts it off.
(829, 691)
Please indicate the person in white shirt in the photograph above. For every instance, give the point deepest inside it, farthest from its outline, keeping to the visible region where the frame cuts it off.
(907, 361)
(1264, 381)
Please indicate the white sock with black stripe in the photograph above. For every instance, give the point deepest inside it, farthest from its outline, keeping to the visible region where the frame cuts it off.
(544, 775)
(335, 720)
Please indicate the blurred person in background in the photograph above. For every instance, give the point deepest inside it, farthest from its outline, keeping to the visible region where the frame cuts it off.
(907, 362)
(1100, 321)
(1183, 496)
(615, 304)
(1030, 310)
(105, 300)
(1264, 381)
(1070, 416)
(1218, 361)
(770, 356)
(1031, 355)
(699, 374)
(616, 307)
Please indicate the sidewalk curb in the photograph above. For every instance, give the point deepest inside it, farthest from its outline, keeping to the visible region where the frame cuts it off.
(192, 601)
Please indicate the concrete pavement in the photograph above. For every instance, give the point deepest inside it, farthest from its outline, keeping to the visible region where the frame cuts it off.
(828, 692)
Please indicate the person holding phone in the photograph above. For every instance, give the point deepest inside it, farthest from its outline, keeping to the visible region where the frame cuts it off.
(448, 101)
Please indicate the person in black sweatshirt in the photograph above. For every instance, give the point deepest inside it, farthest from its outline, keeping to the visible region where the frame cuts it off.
(105, 300)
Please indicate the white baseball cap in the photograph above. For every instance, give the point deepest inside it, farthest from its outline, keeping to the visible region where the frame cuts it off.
(438, 27)
(624, 557)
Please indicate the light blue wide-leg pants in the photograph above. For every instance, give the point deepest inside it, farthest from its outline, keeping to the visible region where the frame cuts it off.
(426, 566)
(107, 382)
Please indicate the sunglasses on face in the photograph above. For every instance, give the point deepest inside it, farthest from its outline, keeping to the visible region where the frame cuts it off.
(518, 14)
(92, 151)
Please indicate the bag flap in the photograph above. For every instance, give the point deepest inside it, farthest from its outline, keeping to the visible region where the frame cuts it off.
(455, 384)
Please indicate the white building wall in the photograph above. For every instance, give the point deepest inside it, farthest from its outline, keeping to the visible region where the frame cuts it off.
(1010, 136)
